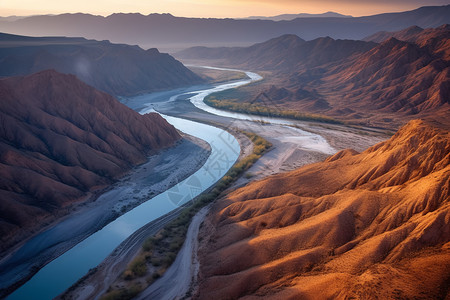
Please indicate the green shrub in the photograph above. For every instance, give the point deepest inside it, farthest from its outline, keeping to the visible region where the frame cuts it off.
(149, 244)
(139, 267)
(155, 262)
(249, 175)
(123, 294)
(266, 111)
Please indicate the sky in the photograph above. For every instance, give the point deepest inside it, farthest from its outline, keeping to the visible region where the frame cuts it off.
(210, 8)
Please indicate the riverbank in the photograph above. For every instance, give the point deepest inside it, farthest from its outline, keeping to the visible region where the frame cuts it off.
(178, 278)
(295, 145)
(159, 173)
(108, 273)
(303, 138)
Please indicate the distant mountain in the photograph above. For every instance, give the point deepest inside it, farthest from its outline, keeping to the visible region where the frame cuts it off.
(12, 18)
(370, 225)
(114, 68)
(60, 140)
(168, 32)
(403, 35)
(289, 17)
(285, 53)
(270, 54)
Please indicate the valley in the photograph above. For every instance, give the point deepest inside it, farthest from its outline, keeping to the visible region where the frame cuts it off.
(158, 174)
(298, 156)
(292, 147)
(357, 82)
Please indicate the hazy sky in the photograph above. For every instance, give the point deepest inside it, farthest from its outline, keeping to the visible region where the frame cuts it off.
(210, 8)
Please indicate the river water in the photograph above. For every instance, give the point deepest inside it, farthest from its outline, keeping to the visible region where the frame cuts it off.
(64, 271)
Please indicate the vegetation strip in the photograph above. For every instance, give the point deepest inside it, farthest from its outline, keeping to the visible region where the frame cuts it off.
(264, 111)
(159, 251)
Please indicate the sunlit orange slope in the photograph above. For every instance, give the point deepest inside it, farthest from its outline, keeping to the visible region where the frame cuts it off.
(375, 224)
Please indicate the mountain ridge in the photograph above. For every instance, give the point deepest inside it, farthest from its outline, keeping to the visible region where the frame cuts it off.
(169, 32)
(118, 69)
(377, 217)
(289, 17)
(284, 53)
(377, 84)
(60, 141)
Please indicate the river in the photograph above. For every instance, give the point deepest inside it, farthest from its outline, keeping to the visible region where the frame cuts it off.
(64, 271)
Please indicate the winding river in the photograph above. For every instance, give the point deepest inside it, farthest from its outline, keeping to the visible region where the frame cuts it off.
(64, 271)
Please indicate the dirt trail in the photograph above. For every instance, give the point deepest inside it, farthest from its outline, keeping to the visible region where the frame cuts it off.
(176, 281)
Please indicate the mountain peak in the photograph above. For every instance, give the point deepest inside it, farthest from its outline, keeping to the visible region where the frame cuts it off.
(289, 36)
(285, 39)
(153, 51)
(413, 29)
(392, 42)
(126, 14)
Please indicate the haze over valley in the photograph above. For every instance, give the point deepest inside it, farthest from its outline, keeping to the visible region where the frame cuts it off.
(172, 33)
(275, 154)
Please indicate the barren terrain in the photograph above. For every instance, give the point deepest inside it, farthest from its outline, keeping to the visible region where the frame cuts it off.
(362, 225)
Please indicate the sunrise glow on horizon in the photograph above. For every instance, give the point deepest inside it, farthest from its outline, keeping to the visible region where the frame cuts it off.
(212, 8)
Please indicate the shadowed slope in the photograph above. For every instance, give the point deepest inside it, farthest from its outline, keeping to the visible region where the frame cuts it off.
(114, 68)
(393, 81)
(350, 226)
(61, 139)
(283, 54)
(395, 76)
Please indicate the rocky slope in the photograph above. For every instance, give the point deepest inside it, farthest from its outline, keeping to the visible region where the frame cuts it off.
(61, 140)
(283, 54)
(374, 225)
(398, 78)
(113, 68)
(436, 39)
(383, 84)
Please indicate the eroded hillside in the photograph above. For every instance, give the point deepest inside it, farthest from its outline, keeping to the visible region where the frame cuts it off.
(364, 225)
(60, 140)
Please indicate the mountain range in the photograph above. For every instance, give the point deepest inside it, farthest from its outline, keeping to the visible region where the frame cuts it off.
(289, 17)
(370, 225)
(60, 141)
(165, 31)
(117, 69)
(284, 54)
(378, 84)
